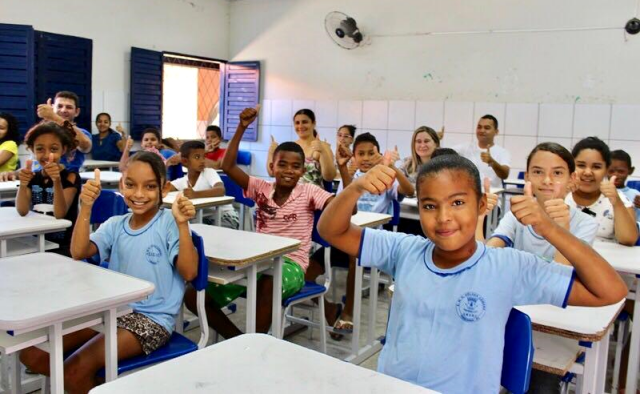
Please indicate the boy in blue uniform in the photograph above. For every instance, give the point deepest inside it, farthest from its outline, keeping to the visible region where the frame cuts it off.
(454, 294)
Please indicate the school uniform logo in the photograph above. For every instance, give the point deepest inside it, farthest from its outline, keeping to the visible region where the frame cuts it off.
(471, 307)
(153, 254)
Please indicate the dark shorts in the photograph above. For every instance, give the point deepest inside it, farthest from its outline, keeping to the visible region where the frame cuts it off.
(150, 334)
(338, 257)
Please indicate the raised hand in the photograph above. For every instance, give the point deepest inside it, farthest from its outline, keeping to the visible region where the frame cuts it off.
(391, 157)
(556, 208)
(182, 209)
(486, 156)
(377, 180)
(91, 189)
(45, 111)
(249, 115)
(273, 145)
(608, 188)
(528, 212)
(343, 155)
(441, 133)
(316, 148)
(52, 169)
(25, 175)
(120, 129)
(129, 144)
(492, 199)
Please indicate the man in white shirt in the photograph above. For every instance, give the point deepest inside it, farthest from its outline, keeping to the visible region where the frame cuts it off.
(492, 160)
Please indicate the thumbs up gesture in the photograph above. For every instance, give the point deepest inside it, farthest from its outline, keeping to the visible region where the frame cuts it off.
(45, 111)
(608, 188)
(441, 133)
(528, 212)
(316, 148)
(91, 189)
(182, 209)
(273, 145)
(52, 168)
(120, 129)
(492, 199)
(343, 155)
(486, 156)
(25, 175)
(556, 208)
(391, 157)
(129, 144)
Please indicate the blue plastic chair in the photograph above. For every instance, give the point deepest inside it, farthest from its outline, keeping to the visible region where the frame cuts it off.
(175, 172)
(232, 189)
(178, 345)
(312, 290)
(244, 158)
(517, 358)
(109, 203)
(634, 184)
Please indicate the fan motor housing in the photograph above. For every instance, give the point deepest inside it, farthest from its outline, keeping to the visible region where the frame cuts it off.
(633, 26)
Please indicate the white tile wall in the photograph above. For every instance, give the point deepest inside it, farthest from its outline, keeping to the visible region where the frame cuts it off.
(116, 103)
(522, 125)
(265, 112)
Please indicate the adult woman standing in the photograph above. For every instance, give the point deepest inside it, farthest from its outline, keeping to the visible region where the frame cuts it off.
(319, 162)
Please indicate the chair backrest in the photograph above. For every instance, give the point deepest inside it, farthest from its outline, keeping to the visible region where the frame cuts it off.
(517, 357)
(201, 280)
(315, 236)
(109, 203)
(395, 220)
(634, 184)
(232, 189)
(175, 172)
(244, 158)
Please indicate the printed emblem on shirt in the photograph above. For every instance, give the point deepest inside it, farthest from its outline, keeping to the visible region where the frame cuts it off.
(265, 212)
(153, 254)
(471, 307)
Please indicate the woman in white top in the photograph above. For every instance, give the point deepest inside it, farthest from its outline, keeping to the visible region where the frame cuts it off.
(598, 196)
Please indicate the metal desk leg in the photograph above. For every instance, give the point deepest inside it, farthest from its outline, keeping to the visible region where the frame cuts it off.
(373, 304)
(41, 248)
(593, 363)
(357, 311)
(110, 345)
(199, 215)
(276, 312)
(56, 359)
(632, 370)
(252, 273)
(3, 247)
(218, 217)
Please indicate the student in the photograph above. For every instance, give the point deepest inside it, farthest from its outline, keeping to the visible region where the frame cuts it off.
(201, 182)
(550, 169)
(284, 208)
(424, 142)
(366, 149)
(344, 141)
(598, 197)
(453, 294)
(9, 141)
(621, 168)
(319, 162)
(492, 160)
(52, 184)
(150, 243)
(150, 142)
(214, 154)
(108, 143)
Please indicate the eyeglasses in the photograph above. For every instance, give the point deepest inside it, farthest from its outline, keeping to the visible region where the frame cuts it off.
(589, 212)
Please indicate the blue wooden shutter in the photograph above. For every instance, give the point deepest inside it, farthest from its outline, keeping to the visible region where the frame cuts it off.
(146, 90)
(16, 73)
(64, 63)
(241, 89)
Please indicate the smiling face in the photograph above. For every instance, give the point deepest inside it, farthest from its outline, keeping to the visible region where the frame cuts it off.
(546, 172)
(424, 146)
(149, 140)
(449, 207)
(304, 126)
(364, 154)
(590, 170)
(486, 132)
(48, 146)
(287, 168)
(140, 189)
(66, 108)
(618, 168)
(103, 123)
(344, 138)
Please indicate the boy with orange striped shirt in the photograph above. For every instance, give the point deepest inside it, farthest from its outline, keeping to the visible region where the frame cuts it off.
(284, 208)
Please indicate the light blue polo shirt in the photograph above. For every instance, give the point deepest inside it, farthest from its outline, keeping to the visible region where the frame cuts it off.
(148, 253)
(631, 194)
(378, 203)
(446, 327)
(521, 237)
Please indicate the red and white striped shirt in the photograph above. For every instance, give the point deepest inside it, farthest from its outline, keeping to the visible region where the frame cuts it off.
(294, 219)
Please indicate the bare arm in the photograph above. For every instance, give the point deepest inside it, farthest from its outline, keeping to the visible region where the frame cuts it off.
(229, 165)
(5, 156)
(216, 191)
(81, 245)
(625, 226)
(405, 186)
(215, 164)
(187, 260)
(502, 171)
(125, 155)
(23, 198)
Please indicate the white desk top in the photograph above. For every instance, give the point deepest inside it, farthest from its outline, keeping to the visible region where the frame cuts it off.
(370, 219)
(105, 176)
(581, 323)
(238, 248)
(199, 203)
(91, 164)
(257, 363)
(42, 288)
(622, 258)
(512, 181)
(14, 225)
(9, 186)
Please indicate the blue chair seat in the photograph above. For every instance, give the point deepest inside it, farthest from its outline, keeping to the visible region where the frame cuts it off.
(177, 346)
(309, 289)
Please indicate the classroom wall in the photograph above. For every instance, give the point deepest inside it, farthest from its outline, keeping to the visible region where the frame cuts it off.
(541, 85)
(194, 27)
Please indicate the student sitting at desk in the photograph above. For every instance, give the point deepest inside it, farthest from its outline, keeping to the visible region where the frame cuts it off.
(214, 153)
(366, 155)
(621, 168)
(598, 196)
(52, 184)
(150, 243)
(151, 142)
(9, 141)
(108, 143)
(284, 208)
(201, 182)
(453, 295)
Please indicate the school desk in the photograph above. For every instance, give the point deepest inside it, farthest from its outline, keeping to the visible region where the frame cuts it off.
(200, 204)
(8, 190)
(258, 363)
(16, 232)
(589, 326)
(626, 260)
(106, 177)
(235, 255)
(90, 165)
(372, 345)
(44, 290)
